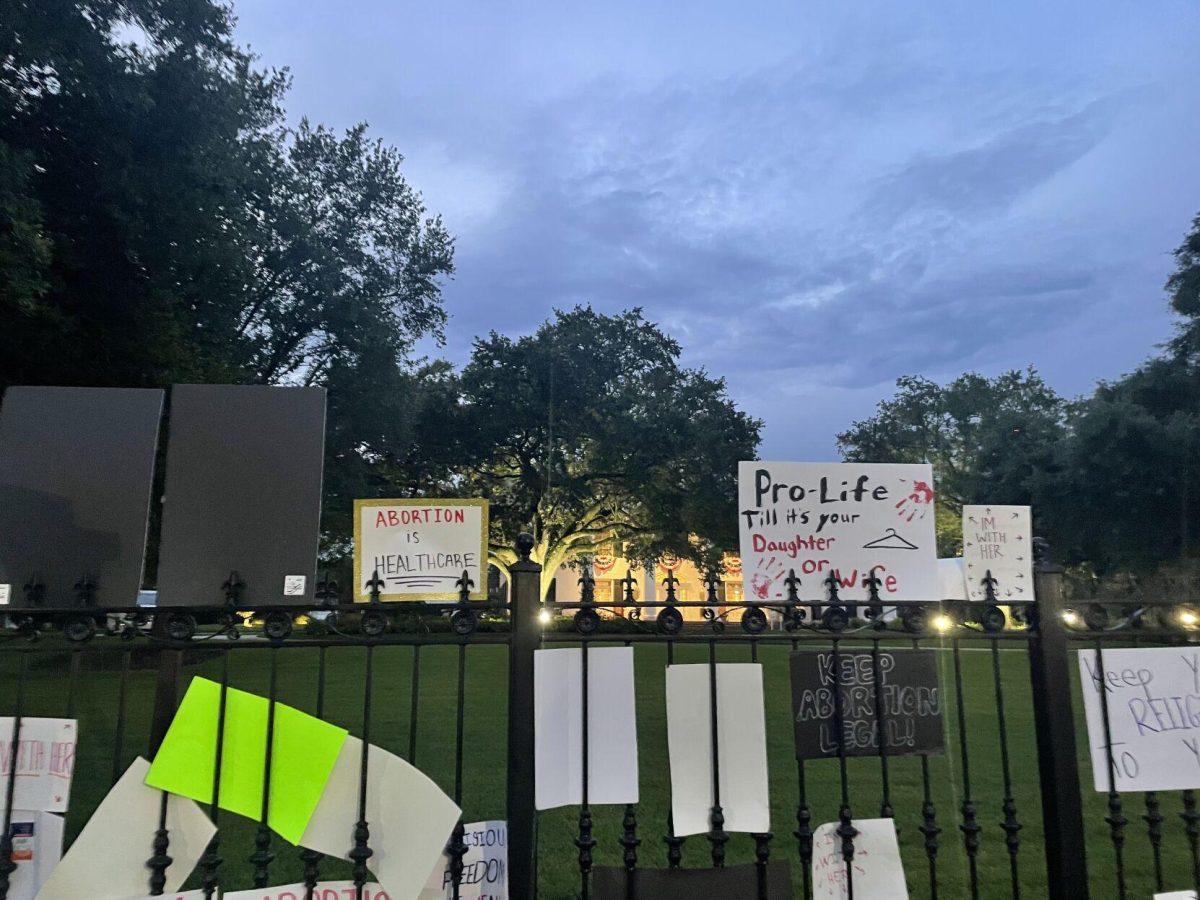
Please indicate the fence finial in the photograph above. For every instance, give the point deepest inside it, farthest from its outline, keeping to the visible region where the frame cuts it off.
(525, 545)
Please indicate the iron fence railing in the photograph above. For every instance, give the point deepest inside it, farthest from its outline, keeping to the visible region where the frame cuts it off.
(1007, 786)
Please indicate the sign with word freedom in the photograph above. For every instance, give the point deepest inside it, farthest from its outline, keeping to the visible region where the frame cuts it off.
(420, 548)
(844, 519)
(996, 539)
(909, 702)
(485, 866)
(1153, 705)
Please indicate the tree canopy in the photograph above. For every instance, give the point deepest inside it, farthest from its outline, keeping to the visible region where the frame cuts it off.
(161, 222)
(992, 440)
(590, 432)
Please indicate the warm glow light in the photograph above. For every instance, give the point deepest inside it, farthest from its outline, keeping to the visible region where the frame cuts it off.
(1070, 617)
(544, 616)
(1188, 618)
(943, 622)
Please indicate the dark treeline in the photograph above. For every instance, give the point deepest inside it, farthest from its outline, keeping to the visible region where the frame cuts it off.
(1113, 478)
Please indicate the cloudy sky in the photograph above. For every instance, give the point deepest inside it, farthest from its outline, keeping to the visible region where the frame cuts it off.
(815, 198)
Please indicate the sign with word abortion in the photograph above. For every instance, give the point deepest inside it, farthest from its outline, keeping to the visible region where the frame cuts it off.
(485, 866)
(909, 702)
(44, 764)
(874, 871)
(420, 549)
(1153, 702)
(325, 890)
(844, 519)
(996, 539)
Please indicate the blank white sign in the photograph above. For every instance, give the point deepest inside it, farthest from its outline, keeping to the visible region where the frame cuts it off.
(558, 727)
(741, 747)
(1153, 715)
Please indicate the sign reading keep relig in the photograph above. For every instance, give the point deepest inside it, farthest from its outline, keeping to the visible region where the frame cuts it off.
(1153, 717)
(996, 539)
(839, 518)
(908, 692)
(420, 548)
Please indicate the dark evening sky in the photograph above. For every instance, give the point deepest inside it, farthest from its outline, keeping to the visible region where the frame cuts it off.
(813, 197)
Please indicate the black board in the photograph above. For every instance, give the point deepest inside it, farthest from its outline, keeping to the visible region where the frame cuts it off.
(909, 691)
(243, 494)
(727, 883)
(76, 473)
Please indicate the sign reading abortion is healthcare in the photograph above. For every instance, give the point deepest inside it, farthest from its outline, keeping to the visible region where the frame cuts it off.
(420, 548)
(841, 518)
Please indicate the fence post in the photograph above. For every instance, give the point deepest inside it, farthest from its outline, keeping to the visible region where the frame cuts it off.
(1051, 675)
(525, 600)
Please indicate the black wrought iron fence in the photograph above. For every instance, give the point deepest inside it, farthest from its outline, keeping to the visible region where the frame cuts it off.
(1001, 810)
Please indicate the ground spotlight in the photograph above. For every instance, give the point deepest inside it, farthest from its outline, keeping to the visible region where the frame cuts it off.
(943, 623)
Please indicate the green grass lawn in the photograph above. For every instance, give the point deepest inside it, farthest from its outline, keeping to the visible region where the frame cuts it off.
(99, 758)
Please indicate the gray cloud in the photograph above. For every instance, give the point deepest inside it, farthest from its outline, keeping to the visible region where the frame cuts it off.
(813, 200)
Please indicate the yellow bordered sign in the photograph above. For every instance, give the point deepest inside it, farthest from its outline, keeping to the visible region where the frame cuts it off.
(420, 548)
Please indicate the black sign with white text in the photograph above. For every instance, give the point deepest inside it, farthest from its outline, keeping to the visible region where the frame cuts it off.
(905, 683)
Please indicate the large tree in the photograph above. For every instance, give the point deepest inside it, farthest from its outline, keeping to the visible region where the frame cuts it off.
(160, 221)
(990, 440)
(590, 432)
(1136, 453)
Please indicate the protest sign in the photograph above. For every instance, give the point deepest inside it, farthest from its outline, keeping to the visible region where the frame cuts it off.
(411, 818)
(1153, 717)
(741, 747)
(875, 871)
(420, 548)
(844, 519)
(909, 695)
(303, 752)
(108, 858)
(36, 849)
(558, 727)
(324, 890)
(45, 762)
(485, 866)
(996, 539)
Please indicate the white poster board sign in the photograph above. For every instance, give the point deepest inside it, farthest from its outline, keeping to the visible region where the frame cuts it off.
(1153, 715)
(996, 539)
(840, 518)
(558, 727)
(875, 870)
(1176, 895)
(420, 548)
(45, 763)
(108, 858)
(485, 866)
(952, 584)
(741, 747)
